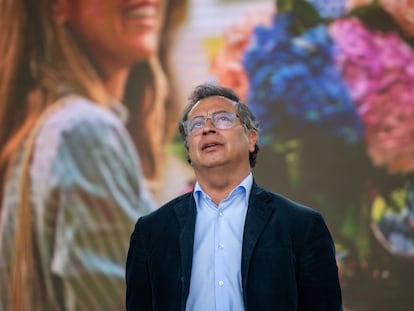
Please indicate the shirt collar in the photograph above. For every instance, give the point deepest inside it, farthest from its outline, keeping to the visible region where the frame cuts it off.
(245, 185)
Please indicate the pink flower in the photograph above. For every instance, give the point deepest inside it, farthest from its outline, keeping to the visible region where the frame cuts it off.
(389, 128)
(227, 65)
(379, 71)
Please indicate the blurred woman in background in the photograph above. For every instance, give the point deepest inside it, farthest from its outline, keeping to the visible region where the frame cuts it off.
(71, 180)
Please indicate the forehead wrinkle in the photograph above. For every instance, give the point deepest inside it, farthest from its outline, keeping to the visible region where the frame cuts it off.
(234, 103)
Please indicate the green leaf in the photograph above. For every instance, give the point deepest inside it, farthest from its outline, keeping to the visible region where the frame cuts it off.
(305, 16)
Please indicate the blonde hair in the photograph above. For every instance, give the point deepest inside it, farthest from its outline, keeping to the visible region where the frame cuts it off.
(42, 61)
(153, 122)
(39, 58)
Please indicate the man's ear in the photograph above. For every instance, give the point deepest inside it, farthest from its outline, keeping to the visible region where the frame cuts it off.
(253, 136)
(188, 156)
(60, 10)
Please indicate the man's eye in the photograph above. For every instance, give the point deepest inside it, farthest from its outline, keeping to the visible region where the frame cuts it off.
(223, 117)
(196, 124)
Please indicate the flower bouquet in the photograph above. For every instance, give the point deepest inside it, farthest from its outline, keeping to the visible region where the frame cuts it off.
(378, 67)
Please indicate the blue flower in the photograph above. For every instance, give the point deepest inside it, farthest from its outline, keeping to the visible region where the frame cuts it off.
(329, 8)
(294, 85)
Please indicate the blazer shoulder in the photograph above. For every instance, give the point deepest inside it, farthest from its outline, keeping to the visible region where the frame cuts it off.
(285, 206)
(166, 210)
(300, 221)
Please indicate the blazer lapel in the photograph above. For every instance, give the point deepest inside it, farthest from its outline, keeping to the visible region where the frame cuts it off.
(186, 214)
(258, 213)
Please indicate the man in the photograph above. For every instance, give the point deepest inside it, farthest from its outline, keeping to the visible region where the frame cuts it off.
(229, 244)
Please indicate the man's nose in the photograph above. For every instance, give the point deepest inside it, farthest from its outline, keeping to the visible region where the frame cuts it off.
(209, 127)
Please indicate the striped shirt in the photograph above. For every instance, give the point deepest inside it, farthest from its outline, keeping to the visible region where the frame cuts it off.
(86, 193)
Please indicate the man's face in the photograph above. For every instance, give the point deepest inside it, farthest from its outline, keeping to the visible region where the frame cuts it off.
(212, 147)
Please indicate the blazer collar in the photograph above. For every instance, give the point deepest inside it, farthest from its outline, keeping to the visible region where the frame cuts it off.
(257, 217)
(185, 210)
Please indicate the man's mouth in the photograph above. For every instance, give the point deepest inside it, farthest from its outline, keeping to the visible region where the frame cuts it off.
(206, 146)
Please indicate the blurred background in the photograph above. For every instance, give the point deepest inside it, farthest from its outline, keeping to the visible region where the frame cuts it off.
(332, 83)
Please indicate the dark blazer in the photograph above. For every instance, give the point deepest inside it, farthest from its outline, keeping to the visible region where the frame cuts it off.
(288, 257)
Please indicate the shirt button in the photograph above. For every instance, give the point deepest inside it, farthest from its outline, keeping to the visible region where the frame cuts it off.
(221, 214)
(220, 246)
(221, 283)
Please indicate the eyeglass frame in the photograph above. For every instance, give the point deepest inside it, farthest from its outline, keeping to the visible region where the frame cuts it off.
(234, 115)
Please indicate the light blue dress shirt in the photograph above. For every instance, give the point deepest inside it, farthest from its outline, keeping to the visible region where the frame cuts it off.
(215, 277)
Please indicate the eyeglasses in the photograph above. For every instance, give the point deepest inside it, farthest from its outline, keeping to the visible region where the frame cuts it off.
(221, 120)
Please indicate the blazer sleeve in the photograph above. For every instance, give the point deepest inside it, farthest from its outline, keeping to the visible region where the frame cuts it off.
(138, 293)
(318, 281)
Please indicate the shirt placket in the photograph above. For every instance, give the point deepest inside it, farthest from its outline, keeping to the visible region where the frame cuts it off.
(219, 261)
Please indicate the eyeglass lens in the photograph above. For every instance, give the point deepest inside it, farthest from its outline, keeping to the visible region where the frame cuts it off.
(221, 120)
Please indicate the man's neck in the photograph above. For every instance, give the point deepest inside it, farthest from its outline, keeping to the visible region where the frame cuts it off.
(218, 185)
